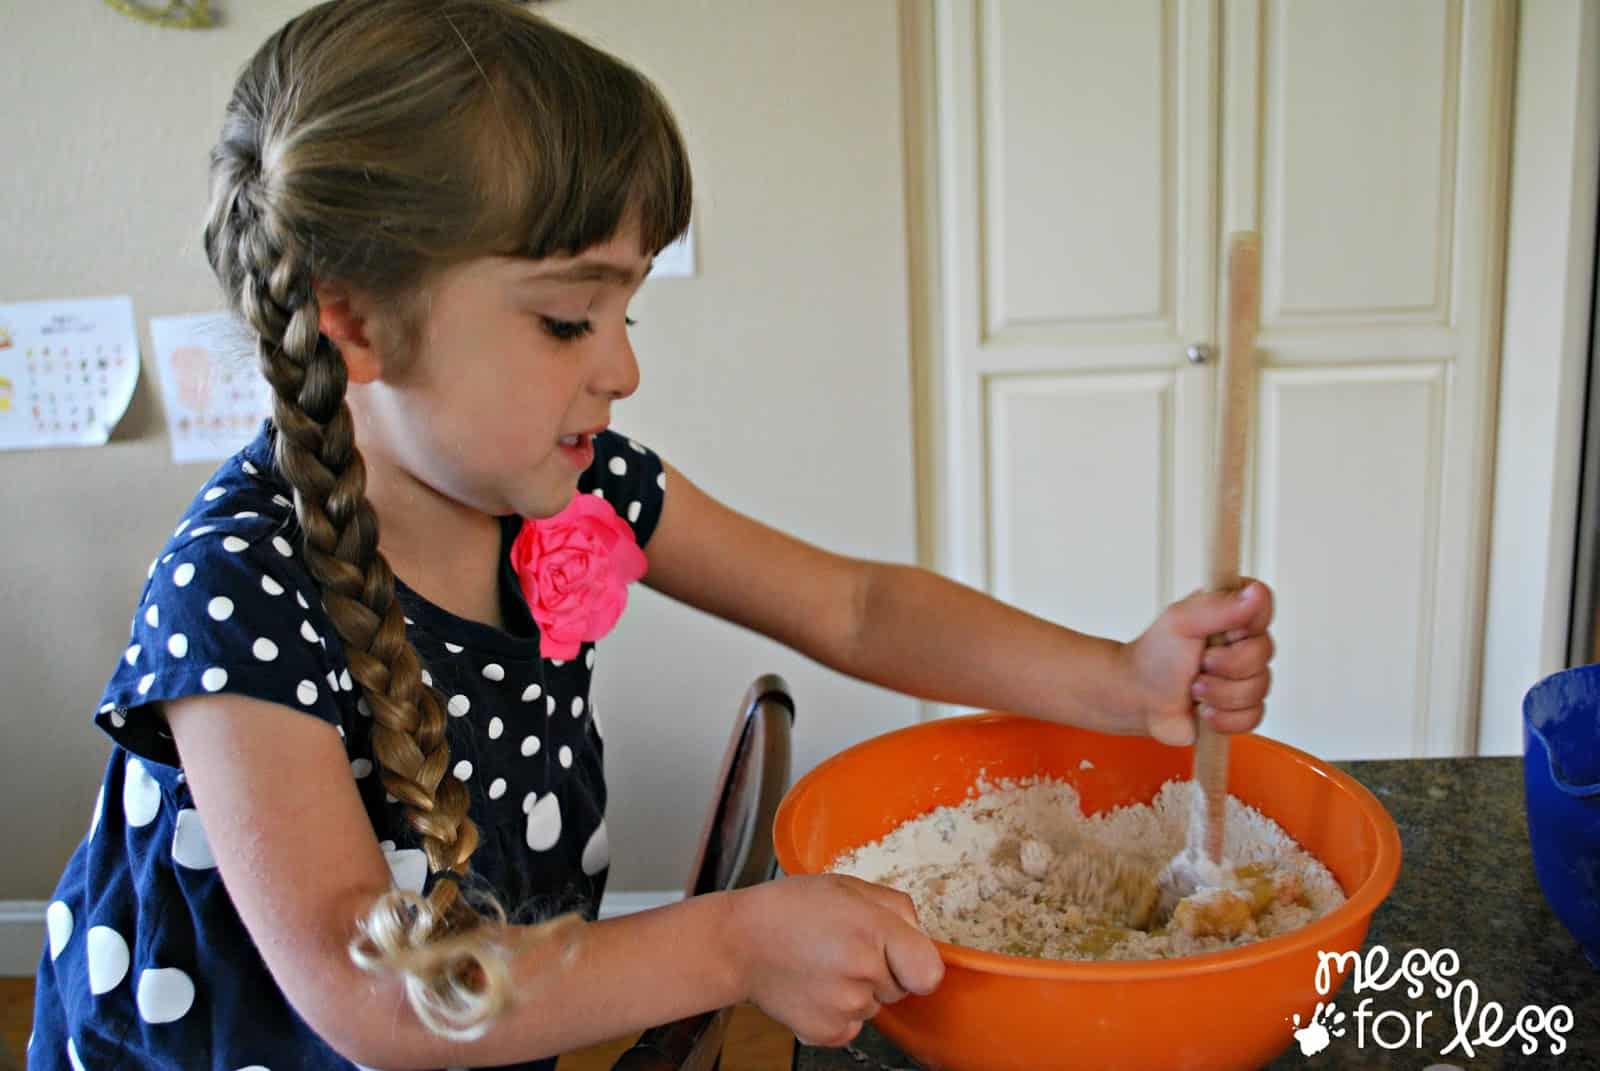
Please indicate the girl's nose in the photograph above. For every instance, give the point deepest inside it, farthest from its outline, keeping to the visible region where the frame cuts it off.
(618, 376)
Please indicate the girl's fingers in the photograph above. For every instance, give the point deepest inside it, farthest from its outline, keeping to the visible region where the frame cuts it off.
(1240, 660)
(888, 992)
(1223, 694)
(1263, 615)
(914, 962)
(1232, 721)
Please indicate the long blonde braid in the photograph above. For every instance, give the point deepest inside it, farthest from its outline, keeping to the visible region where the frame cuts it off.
(312, 179)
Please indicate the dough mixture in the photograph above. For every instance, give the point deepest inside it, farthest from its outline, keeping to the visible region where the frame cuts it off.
(995, 874)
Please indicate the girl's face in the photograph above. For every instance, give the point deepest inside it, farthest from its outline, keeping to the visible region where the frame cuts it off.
(516, 367)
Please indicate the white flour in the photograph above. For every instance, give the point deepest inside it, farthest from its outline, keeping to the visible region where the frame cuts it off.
(988, 874)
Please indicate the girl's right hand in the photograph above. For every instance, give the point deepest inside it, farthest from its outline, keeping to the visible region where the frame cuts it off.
(823, 953)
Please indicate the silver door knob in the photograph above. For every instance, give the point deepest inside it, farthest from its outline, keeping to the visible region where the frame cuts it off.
(1199, 353)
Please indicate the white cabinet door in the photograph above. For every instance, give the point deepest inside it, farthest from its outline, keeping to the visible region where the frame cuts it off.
(1373, 162)
(1078, 235)
(1090, 158)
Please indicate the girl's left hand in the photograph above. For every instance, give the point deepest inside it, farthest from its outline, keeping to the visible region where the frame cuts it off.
(1174, 676)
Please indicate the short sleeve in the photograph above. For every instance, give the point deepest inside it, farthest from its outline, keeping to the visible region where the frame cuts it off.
(630, 477)
(225, 612)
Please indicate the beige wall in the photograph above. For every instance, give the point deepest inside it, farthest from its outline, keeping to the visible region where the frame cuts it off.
(778, 378)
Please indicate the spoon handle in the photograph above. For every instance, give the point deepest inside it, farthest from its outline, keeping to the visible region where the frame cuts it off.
(1238, 386)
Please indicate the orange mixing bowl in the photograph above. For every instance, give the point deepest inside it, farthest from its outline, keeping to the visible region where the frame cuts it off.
(1222, 1010)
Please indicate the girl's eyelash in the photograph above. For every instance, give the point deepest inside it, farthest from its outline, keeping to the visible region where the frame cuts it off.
(567, 330)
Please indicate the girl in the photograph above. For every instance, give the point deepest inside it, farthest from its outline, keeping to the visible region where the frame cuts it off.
(355, 811)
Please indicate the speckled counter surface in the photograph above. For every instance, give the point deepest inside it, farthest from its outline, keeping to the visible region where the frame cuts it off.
(1466, 884)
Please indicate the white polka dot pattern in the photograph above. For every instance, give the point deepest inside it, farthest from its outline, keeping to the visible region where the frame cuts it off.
(190, 848)
(544, 823)
(217, 616)
(58, 924)
(141, 796)
(409, 867)
(108, 959)
(597, 852)
(165, 995)
(99, 806)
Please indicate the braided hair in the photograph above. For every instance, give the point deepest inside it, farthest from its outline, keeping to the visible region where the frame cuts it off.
(373, 143)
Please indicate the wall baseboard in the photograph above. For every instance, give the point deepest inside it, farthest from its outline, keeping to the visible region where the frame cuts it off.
(626, 903)
(22, 925)
(21, 937)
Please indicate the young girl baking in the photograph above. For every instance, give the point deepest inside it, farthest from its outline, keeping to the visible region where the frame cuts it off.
(355, 811)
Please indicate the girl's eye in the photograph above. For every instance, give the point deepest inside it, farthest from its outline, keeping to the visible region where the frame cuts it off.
(566, 330)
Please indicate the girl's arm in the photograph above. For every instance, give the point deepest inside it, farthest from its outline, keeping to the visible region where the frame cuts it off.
(913, 631)
(301, 864)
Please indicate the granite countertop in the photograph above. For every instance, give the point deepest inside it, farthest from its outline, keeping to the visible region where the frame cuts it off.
(1467, 884)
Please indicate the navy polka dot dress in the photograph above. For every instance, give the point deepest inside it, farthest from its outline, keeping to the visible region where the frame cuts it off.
(147, 964)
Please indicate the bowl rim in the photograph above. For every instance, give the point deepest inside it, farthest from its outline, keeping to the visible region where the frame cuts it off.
(1357, 909)
(1535, 730)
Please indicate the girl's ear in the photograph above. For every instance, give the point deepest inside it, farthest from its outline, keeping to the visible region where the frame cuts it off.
(342, 316)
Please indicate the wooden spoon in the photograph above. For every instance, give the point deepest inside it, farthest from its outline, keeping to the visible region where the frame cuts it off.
(1201, 862)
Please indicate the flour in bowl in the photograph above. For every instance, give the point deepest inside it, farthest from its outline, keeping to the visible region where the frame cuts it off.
(994, 874)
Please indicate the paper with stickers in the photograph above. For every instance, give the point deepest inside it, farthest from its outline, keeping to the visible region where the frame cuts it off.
(67, 371)
(213, 394)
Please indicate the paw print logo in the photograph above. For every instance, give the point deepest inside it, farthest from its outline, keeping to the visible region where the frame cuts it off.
(1327, 1022)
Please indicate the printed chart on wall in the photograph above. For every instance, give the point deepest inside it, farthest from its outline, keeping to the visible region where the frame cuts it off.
(214, 397)
(67, 371)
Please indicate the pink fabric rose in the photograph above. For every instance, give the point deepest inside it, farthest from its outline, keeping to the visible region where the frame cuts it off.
(575, 569)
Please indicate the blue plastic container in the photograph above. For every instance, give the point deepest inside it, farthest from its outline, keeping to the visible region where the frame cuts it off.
(1561, 776)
